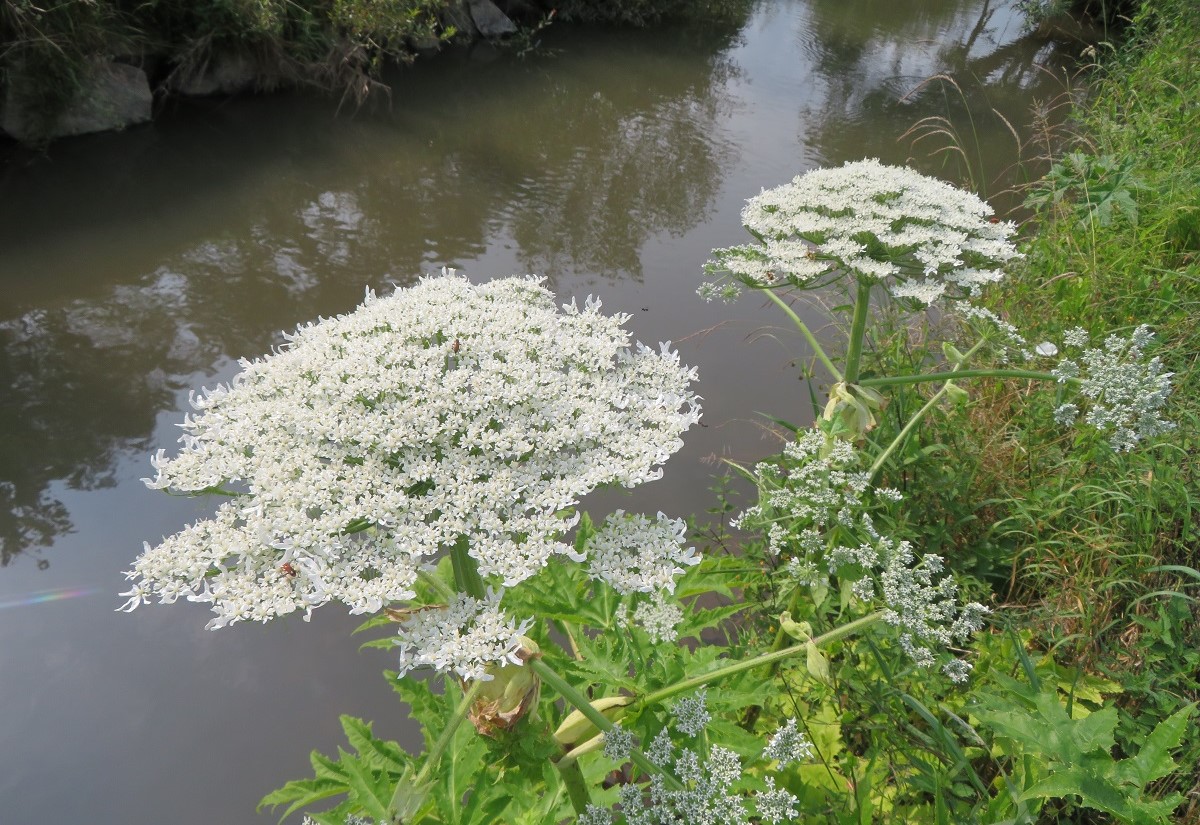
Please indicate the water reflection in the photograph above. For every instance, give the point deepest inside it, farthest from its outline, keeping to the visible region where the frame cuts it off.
(889, 66)
(577, 177)
(134, 267)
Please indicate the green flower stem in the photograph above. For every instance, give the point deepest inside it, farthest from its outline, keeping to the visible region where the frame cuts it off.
(688, 685)
(572, 779)
(581, 703)
(410, 793)
(912, 423)
(897, 380)
(858, 330)
(437, 584)
(466, 570)
(807, 333)
(443, 740)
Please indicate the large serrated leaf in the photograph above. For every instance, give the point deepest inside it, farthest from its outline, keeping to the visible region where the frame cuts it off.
(374, 751)
(300, 793)
(1153, 761)
(372, 790)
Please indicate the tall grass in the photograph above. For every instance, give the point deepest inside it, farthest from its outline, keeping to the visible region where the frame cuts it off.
(1096, 552)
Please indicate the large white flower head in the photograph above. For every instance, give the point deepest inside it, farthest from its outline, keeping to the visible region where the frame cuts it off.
(925, 238)
(374, 441)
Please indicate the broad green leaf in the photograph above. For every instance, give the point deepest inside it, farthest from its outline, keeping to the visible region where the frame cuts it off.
(375, 752)
(1153, 761)
(370, 789)
(1094, 791)
(300, 793)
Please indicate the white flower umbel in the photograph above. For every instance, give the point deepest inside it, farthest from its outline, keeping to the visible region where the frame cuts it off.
(1125, 390)
(788, 744)
(374, 441)
(691, 713)
(463, 637)
(658, 617)
(926, 238)
(637, 554)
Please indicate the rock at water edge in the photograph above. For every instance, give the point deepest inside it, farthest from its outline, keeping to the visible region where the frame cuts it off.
(111, 96)
(491, 22)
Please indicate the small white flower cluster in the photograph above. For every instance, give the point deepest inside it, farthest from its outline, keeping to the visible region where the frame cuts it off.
(659, 617)
(926, 611)
(691, 713)
(1006, 340)
(817, 484)
(788, 744)
(708, 795)
(637, 554)
(464, 637)
(930, 239)
(1125, 390)
(375, 441)
(618, 743)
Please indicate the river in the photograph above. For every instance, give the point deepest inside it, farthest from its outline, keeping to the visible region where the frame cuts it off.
(135, 266)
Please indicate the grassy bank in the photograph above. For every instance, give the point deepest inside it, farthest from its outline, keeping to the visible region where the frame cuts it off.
(1093, 553)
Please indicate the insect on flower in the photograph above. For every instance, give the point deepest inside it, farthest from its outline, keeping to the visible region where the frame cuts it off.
(287, 570)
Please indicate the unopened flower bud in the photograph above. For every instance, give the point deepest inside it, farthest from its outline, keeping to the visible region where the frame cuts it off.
(576, 727)
(509, 695)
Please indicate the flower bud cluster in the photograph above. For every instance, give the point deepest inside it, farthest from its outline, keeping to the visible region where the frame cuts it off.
(1125, 390)
(709, 779)
(815, 510)
(373, 442)
(929, 240)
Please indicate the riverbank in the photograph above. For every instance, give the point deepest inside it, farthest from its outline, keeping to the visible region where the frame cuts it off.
(75, 68)
(1095, 554)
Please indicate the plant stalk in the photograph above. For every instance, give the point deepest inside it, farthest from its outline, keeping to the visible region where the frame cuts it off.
(687, 685)
(466, 570)
(581, 703)
(897, 380)
(807, 333)
(409, 795)
(572, 779)
(443, 740)
(912, 423)
(858, 330)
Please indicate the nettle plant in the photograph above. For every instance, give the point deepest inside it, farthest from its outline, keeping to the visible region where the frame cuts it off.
(422, 460)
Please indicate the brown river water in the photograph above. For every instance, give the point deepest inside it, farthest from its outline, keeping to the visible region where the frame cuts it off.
(135, 266)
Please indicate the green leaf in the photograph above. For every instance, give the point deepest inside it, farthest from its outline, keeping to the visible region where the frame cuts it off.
(300, 793)
(376, 752)
(1153, 761)
(370, 789)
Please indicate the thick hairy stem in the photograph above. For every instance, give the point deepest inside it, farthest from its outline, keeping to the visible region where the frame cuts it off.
(576, 785)
(858, 330)
(897, 380)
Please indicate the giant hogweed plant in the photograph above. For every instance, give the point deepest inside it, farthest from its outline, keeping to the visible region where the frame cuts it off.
(422, 460)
